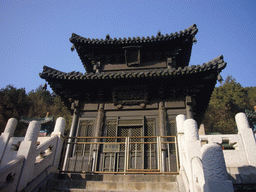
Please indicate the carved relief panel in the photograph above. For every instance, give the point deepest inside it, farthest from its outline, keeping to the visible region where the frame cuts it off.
(130, 95)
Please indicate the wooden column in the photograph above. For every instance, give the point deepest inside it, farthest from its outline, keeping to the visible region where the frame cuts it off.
(162, 119)
(189, 107)
(100, 117)
(72, 132)
(73, 128)
(98, 131)
(162, 130)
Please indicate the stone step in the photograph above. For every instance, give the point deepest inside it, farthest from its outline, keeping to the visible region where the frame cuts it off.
(47, 189)
(113, 186)
(250, 187)
(117, 178)
(110, 182)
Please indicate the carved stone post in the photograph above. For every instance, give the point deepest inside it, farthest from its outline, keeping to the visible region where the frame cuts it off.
(180, 119)
(72, 132)
(215, 172)
(189, 107)
(162, 128)
(98, 131)
(192, 148)
(247, 137)
(28, 150)
(59, 131)
(6, 135)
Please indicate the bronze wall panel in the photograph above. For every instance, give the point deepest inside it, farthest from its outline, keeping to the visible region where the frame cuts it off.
(111, 106)
(175, 104)
(89, 107)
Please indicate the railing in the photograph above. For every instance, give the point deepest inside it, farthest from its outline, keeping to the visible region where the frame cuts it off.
(197, 173)
(204, 160)
(124, 155)
(45, 154)
(10, 174)
(25, 162)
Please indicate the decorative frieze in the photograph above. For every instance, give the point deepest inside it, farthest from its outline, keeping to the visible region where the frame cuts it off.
(130, 95)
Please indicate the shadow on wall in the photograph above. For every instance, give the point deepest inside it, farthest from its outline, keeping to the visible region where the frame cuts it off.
(244, 179)
(247, 174)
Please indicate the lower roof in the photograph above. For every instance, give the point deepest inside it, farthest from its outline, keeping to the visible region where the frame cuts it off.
(196, 80)
(216, 64)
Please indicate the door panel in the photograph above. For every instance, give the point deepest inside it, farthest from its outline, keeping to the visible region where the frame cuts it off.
(141, 156)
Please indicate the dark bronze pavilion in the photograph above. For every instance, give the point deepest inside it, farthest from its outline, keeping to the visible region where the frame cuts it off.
(134, 87)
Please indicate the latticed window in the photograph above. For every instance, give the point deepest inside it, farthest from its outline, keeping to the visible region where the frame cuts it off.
(123, 132)
(171, 131)
(86, 129)
(150, 131)
(172, 128)
(136, 131)
(111, 130)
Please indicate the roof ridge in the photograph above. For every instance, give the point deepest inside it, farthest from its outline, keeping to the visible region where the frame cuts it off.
(192, 30)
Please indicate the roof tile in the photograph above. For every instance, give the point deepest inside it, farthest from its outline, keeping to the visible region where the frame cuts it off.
(216, 64)
(192, 30)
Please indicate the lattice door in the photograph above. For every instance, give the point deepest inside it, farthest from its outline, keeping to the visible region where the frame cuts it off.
(80, 160)
(86, 129)
(129, 128)
(171, 151)
(109, 159)
(123, 132)
(111, 130)
(150, 149)
(141, 156)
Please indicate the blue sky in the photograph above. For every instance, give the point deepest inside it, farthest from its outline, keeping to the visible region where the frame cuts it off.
(36, 33)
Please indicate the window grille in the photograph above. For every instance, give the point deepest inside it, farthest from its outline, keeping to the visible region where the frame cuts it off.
(172, 131)
(85, 130)
(150, 131)
(123, 132)
(111, 129)
(130, 122)
(136, 131)
(172, 128)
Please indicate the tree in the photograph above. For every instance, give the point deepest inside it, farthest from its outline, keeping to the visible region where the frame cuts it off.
(13, 103)
(16, 103)
(226, 101)
(41, 102)
(251, 94)
(60, 110)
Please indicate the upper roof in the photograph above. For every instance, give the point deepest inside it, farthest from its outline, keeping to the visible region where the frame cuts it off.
(112, 51)
(189, 32)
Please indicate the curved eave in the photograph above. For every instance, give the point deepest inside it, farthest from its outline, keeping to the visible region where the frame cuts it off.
(216, 64)
(85, 46)
(189, 32)
(68, 85)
